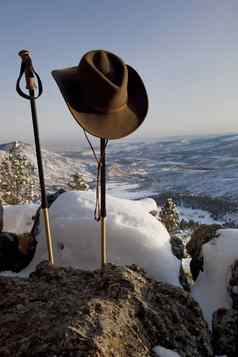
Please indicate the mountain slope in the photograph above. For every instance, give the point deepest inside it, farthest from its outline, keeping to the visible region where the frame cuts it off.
(57, 168)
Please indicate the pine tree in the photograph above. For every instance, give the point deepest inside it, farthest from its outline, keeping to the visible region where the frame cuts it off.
(169, 216)
(77, 182)
(18, 184)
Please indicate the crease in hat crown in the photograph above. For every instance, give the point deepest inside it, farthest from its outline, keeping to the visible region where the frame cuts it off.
(104, 80)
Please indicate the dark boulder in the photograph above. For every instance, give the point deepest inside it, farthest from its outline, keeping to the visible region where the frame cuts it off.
(203, 234)
(9, 251)
(11, 256)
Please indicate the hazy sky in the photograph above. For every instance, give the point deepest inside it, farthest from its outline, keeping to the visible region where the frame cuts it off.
(185, 50)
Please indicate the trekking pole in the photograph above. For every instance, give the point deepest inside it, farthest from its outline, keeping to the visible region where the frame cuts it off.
(30, 74)
(103, 213)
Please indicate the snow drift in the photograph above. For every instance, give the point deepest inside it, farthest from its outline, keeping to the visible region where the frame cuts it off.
(134, 236)
(19, 218)
(210, 289)
(164, 352)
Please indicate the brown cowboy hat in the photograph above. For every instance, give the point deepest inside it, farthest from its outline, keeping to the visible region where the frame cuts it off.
(105, 96)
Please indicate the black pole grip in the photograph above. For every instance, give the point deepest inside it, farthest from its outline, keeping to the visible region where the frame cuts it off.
(30, 74)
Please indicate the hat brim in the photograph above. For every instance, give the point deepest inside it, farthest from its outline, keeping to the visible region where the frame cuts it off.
(113, 125)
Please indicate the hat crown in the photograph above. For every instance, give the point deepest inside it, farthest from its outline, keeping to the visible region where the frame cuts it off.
(104, 80)
(102, 62)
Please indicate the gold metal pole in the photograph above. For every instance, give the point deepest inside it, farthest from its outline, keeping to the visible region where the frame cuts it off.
(103, 242)
(48, 235)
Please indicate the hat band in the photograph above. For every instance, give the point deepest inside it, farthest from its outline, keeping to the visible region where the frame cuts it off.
(109, 111)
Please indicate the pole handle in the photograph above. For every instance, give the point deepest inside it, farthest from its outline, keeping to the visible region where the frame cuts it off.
(30, 74)
(28, 69)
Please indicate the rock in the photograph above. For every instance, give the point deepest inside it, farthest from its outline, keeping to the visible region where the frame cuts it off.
(154, 213)
(177, 247)
(233, 285)
(196, 266)
(225, 332)
(203, 234)
(1, 217)
(183, 279)
(53, 196)
(12, 257)
(8, 251)
(117, 311)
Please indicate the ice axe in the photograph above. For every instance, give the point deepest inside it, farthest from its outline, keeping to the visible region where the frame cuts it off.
(30, 74)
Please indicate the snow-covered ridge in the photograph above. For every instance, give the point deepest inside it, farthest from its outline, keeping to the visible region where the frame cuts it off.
(57, 168)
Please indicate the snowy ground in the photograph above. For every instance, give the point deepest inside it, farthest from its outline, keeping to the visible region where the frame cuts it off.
(197, 215)
(19, 218)
(122, 190)
(210, 289)
(134, 236)
(164, 352)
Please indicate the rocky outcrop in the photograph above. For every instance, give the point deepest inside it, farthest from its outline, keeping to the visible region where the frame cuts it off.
(225, 321)
(177, 247)
(116, 311)
(203, 234)
(178, 251)
(1, 217)
(225, 332)
(16, 251)
(233, 285)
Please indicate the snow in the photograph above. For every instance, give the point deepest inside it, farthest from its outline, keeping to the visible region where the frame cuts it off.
(148, 204)
(164, 352)
(124, 190)
(197, 215)
(18, 218)
(230, 138)
(134, 236)
(57, 167)
(210, 289)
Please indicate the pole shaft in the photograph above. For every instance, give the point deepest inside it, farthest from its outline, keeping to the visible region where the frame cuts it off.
(44, 202)
(38, 150)
(48, 235)
(103, 177)
(103, 203)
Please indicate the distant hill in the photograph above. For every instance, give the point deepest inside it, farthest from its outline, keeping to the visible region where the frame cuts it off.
(57, 168)
(199, 165)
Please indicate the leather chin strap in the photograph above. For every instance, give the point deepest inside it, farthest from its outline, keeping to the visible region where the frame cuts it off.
(97, 211)
(26, 64)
